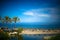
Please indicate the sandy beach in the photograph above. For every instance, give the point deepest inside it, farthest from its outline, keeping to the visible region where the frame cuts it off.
(28, 31)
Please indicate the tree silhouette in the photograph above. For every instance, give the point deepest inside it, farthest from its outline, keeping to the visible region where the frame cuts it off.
(6, 19)
(15, 19)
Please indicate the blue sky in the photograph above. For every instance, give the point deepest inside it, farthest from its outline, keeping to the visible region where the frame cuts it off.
(43, 11)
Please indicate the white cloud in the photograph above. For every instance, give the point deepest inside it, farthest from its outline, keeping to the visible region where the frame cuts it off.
(29, 13)
(44, 15)
(41, 12)
(40, 15)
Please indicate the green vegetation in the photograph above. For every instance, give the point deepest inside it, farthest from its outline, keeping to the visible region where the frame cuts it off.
(20, 36)
(6, 20)
(20, 30)
(57, 37)
(4, 36)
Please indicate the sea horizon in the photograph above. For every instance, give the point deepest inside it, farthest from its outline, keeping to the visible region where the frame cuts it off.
(31, 25)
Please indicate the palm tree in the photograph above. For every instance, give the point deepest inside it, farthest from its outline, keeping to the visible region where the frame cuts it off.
(15, 19)
(6, 19)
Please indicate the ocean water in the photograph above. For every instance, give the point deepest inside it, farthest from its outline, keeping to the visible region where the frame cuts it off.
(32, 36)
(35, 36)
(26, 25)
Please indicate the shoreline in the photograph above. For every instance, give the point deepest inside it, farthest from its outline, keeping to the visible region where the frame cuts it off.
(31, 31)
(40, 31)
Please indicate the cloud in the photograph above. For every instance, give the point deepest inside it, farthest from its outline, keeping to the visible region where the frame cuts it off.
(36, 13)
(29, 13)
(41, 12)
(44, 15)
(40, 15)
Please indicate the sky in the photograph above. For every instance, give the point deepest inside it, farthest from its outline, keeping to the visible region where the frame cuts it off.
(29, 11)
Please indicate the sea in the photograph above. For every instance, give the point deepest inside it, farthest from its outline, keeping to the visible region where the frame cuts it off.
(32, 25)
(32, 36)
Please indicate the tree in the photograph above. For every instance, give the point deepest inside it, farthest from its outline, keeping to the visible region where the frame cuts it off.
(15, 19)
(6, 19)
